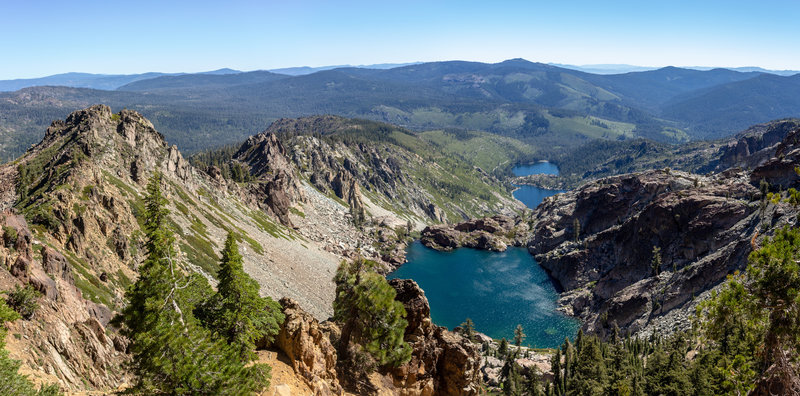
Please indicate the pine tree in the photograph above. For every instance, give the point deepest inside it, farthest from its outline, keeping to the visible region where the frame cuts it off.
(590, 371)
(519, 336)
(469, 329)
(655, 262)
(172, 352)
(532, 383)
(512, 380)
(555, 365)
(371, 317)
(502, 349)
(236, 311)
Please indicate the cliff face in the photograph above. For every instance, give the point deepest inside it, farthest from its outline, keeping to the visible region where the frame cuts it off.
(278, 182)
(598, 241)
(755, 145)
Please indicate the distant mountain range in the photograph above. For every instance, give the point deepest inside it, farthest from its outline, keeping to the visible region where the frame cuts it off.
(114, 81)
(624, 68)
(550, 107)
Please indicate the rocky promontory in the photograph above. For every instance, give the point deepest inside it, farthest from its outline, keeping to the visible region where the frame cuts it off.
(494, 233)
(442, 362)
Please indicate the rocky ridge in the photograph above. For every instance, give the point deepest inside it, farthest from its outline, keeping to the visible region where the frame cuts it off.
(354, 159)
(704, 226)
(79, 194)
(77, 199)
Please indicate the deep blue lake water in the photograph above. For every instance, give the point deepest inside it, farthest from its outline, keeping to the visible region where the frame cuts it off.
(496, 290)
(532, 196)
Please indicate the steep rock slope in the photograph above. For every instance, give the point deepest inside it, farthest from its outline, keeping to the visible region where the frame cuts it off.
(363, 161)
(79, 193)
(630, 249)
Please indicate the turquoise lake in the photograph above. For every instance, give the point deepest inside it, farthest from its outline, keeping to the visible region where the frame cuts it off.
(497, 291)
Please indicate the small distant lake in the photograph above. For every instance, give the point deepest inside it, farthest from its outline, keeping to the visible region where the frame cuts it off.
(532, 196)
(496, 290)
(539, 168)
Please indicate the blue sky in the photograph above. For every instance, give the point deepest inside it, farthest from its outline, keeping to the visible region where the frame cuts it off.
(39, 38)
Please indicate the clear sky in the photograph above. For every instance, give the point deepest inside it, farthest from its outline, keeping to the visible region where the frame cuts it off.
(39, 38)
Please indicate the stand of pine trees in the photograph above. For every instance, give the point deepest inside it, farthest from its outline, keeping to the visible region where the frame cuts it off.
(744, 341)
(186, 339)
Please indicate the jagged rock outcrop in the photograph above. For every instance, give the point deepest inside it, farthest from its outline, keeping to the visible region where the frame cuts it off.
(278, 181)
(442, 362)
(69, 337)
(309, 349)
(333, 153)
(755, 145)
(597, 242)
(780, 170)
(494, 233)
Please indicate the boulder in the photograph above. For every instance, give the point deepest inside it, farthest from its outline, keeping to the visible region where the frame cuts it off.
(55, 264)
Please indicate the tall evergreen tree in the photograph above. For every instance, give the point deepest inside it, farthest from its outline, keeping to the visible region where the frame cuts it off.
(236, 311)
(519, 335)
(512, 380)
(172, 352)
(590, 371)
(469, 329)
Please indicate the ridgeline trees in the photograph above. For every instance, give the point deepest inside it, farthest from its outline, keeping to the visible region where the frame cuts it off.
(173, 353)
(369, 314)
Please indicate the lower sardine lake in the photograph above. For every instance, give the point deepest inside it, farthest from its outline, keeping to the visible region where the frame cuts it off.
(496, 290)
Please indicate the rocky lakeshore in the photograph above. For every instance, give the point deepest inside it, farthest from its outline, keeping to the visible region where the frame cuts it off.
(494, 233)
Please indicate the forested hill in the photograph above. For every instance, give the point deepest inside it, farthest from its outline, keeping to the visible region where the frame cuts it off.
(543, 105)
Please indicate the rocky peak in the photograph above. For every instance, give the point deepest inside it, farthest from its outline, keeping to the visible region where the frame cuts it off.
(278, 181)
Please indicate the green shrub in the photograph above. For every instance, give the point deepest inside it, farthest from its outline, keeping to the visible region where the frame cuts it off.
(9, 236)
(23, 300)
